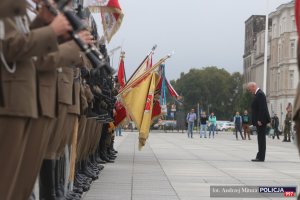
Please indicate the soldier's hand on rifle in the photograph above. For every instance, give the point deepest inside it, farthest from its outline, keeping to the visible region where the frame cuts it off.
(86, 37)
(44, 13)
(60, 25)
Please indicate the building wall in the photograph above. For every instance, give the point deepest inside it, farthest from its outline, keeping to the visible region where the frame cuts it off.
(282, 70)
(283, 67)
(254, 25)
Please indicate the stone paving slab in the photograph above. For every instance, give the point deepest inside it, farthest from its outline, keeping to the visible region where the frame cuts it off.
(174, 167)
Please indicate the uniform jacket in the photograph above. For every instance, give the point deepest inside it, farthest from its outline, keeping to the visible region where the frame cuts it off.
(19, 88)
(9, 8)
(47, 66)
(52, 66)
(75, 108)
(259, 108)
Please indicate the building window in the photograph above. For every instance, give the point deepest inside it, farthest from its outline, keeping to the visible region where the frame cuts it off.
(291, 79)
(283, 25)
(279, 53)
(278, 81)
(293, 49)
(273, 81)
(293, 23)
(274, 30)
(280, 30)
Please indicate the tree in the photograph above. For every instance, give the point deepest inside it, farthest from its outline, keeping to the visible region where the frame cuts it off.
(214, 89)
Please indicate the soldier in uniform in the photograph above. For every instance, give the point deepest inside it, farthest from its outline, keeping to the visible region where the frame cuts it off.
(18, 80)
(275, 124)
(288, 124)
(10, 8)
(67, 54)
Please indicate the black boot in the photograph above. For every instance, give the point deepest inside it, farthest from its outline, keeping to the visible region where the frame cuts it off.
(59, 180)
(47, 180)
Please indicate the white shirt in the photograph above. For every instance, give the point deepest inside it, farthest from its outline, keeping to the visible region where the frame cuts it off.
(256, 90)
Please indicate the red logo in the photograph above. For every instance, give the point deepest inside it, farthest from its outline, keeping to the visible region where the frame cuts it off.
(289, 194)
(148, 102)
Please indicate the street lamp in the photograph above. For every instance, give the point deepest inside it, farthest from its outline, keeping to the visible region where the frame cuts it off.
(209, 105)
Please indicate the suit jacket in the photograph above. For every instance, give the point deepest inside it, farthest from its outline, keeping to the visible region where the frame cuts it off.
(19, 88)
(10, 8)
(259, 108)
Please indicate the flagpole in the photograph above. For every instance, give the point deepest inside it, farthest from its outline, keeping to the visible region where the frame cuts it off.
(151, 52)
(266, 49)
(144, 75)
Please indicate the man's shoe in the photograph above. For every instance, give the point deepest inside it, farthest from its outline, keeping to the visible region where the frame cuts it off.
(257, 160)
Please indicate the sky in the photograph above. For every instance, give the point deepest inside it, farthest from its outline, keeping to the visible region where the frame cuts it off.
(201, 32)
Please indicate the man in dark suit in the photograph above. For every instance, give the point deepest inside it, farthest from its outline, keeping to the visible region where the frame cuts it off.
(260, 119)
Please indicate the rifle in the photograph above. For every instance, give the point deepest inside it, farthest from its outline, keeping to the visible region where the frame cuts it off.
(77, 26)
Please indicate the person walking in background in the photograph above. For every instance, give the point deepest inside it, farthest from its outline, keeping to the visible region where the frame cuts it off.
(203, 123)
(245, 124)
(237, 120)
(275, 125)
(212, 124)
(119, 130)
(260, 119)
(190, 118)
(288, 124)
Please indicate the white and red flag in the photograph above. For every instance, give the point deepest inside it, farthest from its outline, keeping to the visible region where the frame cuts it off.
(111, 15)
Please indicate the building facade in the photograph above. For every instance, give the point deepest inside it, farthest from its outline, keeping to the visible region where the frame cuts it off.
(282, 70)
(252, 57)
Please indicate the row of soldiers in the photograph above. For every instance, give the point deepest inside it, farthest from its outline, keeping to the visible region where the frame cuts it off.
(57, 99)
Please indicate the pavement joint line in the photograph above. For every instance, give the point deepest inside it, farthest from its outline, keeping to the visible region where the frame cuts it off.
(132, 172)
(86, 193)
(220, 148)
(209, 163)
(164, 171)
(239, 147)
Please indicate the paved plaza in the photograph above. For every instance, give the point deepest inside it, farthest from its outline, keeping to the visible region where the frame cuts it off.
(172, 167)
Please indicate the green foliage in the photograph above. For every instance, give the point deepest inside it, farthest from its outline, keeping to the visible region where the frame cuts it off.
(216, 90)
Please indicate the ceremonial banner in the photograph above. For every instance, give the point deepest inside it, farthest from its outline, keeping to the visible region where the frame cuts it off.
(156, 111)
(111, 14)
(120, 113)
(172, 91)
(121, 73)
(138, 102)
